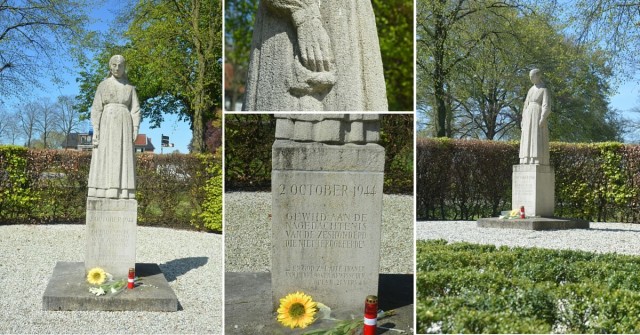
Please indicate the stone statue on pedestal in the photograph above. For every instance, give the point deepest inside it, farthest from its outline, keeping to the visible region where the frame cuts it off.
(309, 55)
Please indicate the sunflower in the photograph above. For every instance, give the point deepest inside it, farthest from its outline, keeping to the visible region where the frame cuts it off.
(96, 276)
(296, 310)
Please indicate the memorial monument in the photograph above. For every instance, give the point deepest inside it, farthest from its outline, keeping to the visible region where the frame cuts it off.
(315, 56)
(111, 211)
(533, 180)
(533, 183)
(111, 205)
(327, 178)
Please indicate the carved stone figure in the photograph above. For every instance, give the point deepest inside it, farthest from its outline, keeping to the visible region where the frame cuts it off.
(328, 128)
(310, 55)
(534, 142)
(115, 116)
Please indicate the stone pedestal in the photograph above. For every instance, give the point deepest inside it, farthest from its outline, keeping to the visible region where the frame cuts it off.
(326, 219)
(111, 235)
(68, 290)
(533, 186)
(545, 223)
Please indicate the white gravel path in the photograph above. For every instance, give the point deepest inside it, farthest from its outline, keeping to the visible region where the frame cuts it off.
(622, 238)
(191, 261)
(248, 233)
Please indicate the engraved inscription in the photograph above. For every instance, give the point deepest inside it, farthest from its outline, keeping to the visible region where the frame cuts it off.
(325, 230)
(524, 185)
(333, 275)
(335, 190)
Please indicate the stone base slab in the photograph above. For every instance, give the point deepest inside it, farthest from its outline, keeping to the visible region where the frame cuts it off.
(248, 308)
(68, 290)
(534, 223)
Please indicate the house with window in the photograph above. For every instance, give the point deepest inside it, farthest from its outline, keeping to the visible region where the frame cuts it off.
(82, 142)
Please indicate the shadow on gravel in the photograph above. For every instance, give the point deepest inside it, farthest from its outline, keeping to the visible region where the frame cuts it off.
(177, 267)
(616, 230)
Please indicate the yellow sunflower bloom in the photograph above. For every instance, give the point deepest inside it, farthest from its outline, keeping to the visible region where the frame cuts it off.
(296, 310)
(96, 276)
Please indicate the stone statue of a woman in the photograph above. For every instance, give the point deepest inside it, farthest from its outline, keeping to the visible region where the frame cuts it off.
(310, 55)
(115, 116)
(534, 141)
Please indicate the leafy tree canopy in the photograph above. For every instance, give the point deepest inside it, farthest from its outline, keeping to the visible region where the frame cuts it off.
(173, 52)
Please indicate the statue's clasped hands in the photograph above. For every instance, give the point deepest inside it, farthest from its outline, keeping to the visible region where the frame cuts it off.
(315, 46)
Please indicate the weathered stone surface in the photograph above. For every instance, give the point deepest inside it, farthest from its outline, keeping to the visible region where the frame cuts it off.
(326, 221)
(329, 128)
(318, 156)
(315, 56)
(534, 223)
(533, 186)
(111, 235)
(534, 140)
(115, 117)
(68, 290)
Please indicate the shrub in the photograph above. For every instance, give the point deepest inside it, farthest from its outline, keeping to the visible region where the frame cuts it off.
(45, 186)
(249, 137)
(468, 288)
(468, 179)
(211, 213)
(17, 195)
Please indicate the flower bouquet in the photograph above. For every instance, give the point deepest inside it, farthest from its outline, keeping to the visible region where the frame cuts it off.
(104, 282)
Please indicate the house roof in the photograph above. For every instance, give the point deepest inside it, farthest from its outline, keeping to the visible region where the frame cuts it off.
(142, 141)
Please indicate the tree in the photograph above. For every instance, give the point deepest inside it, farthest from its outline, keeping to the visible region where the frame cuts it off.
(611, 23)
(11, 132)
(174, 56)
(68, 116)
(46, 121)
(27, 118)
(482, 78)
(239, 16)
(34, 36)
(444, 39)
(5, 120)
(394, 21)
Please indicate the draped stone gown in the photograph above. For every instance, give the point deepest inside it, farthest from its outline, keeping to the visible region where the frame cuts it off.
(534, 142)
(114, 113)
(277, 80)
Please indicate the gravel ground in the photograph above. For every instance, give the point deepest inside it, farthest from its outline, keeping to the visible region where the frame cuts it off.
(622, 238)
(190, 261)
(248, 233)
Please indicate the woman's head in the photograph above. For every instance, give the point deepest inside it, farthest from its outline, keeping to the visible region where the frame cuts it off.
(536, 76)
(117, 67)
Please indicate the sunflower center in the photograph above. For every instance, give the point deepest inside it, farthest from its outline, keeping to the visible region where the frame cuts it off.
(96, 276)
(296, 310)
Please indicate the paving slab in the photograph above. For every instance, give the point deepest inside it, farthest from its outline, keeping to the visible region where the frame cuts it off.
(68, 290)
(248, 307)
(536, 223)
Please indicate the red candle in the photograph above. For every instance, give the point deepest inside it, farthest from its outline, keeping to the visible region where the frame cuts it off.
(522, 212)
(132, 275)
(370, 315)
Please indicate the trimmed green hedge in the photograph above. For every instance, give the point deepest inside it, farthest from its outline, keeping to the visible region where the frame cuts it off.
(248, 140)
(468, 179)
(47, 186)
(469, 288)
